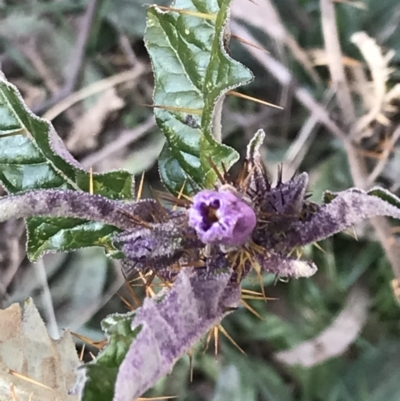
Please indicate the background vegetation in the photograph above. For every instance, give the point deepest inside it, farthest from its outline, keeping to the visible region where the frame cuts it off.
(83, 65)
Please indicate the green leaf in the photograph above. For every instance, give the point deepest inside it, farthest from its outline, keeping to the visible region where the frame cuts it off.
(172, 174)
(32, 156)
(102, 373)
(385, 195)
(193, 72)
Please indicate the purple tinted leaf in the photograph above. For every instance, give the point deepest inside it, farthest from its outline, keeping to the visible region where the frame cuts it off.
(170, 325)
(158, 246)
(346, 209)
(77, 204)
(285, 267)
(286, 199)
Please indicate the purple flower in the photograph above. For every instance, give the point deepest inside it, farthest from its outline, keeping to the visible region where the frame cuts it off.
(222, 218)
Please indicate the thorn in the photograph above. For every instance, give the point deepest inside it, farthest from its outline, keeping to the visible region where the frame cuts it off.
(157, 199)
(216, 341)
(132, 293)
(254, 99)
(137, 220)
(183, 201)
(257, 268)
(91, 190)
(140, 189)
(82, 352)
(87, 340)
(280, 175)
(251, 309)
(147, 284)
(190, 355)
(215, 168)
(125, 302)
(226, 334)
(28, 379)
(225, 171)
(318, 246)
(258, 297)
(246, 42)
(242, 174)
(211, 17)
(21, 131)
(227, 309)
(197, 112)
(246, 182)
(208, 339)
(179, 195)
(250, 292)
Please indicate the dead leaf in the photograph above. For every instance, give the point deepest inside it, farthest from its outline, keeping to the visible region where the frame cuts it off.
(87, 127)
(38, 367)
(336, 338)
(378, 64)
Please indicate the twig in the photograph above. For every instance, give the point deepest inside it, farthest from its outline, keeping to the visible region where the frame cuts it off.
(381, 165)
(254, 16)
(76, 59)
(300, 146)
(127, 50)
(378, 67)
(358, 168)
(43, 70)
(96, 87)
(283, 75)
(357, 163)
(334, 56)
(80, 48)
(125, 139)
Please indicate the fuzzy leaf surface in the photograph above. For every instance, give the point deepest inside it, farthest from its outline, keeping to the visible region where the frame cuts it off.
(101, 374)
(144, 346)
(192, 73)
(32, 156)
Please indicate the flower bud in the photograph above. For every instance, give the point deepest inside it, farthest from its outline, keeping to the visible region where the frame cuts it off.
(221, 218)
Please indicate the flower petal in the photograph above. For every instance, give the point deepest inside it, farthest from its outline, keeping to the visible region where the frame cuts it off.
(221, 218)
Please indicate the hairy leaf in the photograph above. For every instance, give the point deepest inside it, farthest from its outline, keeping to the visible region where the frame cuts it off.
(193, 72)
(161, 331)
(32, 156)
(343, 211)
(100, 375)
